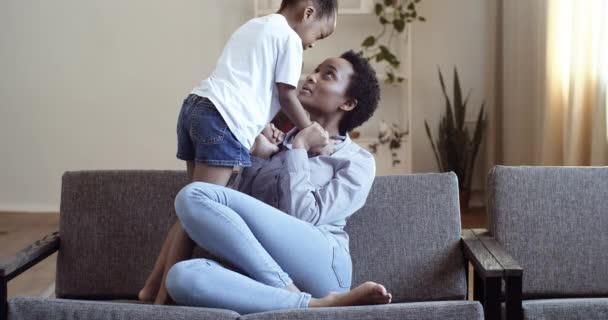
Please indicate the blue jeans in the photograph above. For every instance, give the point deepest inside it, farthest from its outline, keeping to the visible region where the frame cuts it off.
(272, 248)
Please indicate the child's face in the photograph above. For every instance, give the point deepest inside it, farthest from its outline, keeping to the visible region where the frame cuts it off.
(312, 29)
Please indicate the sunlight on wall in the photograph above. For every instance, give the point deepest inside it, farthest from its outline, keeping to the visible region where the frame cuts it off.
(578, 47)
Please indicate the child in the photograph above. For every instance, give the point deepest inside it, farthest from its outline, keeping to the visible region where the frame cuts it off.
(256, 75)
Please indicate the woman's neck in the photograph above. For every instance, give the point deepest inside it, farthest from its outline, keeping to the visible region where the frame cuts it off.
(330, 124)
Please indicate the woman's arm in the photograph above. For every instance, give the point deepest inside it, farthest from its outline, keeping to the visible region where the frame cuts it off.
(261, 151)
(344, 194)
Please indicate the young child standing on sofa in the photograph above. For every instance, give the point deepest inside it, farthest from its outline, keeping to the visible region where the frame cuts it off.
(256, 76)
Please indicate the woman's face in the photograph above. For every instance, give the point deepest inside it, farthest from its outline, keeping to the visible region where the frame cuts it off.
(324, 91)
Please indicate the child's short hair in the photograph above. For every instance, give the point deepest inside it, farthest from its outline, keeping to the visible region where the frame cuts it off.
(325, 8)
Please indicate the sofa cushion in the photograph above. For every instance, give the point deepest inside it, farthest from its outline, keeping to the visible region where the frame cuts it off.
(112, 226)
(553, 221)
(407, 237)
(449, 310)
(36, 308)
(566, 309)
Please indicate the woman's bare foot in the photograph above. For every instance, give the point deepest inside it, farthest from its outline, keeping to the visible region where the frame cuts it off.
(365, 294)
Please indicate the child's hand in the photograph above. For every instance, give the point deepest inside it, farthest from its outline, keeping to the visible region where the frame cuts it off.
(273, 134)
(263, 148)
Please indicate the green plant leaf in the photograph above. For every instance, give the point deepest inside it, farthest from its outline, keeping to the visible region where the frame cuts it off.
(368, 42)
(379, 8)
(428, 134)
(459, 107)
(449, 117)
(399, 25)
(383, 20)
(373, 147)
(422, 19)
(476, 142)
(388, 2)
(411, 6)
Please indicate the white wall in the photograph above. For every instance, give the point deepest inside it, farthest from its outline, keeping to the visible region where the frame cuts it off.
(457, 33)
(98, 85)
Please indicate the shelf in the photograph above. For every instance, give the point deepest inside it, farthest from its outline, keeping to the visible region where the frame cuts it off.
(368, 140)
(382, 77)
(361, 7)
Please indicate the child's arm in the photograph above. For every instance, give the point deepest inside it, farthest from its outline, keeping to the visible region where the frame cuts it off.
(292, 107)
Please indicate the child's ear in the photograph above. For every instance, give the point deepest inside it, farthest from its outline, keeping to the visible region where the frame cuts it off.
(309, 13)
(349, 105)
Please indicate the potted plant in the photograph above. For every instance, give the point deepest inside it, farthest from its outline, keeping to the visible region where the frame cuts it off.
(392, 136)
(394, 16)
(455, 149)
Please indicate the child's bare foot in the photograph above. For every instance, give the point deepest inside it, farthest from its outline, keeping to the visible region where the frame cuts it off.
(365, 294)
(149, 291)
(162, 297)
(146, 295)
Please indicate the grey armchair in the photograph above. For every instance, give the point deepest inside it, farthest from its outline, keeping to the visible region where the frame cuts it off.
(112, 225)
(552, 222)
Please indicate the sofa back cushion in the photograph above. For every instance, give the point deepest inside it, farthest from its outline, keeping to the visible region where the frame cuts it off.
(407, 237)
(113, 224)
(554, 222)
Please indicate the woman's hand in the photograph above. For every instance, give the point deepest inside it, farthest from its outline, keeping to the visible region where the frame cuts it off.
(263, 148)
(328, 150)
(313, 137)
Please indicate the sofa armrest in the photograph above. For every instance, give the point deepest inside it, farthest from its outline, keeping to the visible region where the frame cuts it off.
(475, 252)
(26, 258)
(29, 256)
(513, 273)
(510, 266)
(487, 275)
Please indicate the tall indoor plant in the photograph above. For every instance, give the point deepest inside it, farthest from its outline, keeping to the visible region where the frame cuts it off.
(455, 149)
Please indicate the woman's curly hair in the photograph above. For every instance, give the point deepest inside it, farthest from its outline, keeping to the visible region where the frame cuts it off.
(363, 88)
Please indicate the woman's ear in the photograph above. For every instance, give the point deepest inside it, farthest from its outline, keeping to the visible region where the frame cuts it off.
(349, 105)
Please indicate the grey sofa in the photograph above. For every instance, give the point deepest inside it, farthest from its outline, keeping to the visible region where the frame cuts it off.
(113, 223)
(552, 223)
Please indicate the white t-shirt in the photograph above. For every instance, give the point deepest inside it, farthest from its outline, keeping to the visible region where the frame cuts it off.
(261, 53)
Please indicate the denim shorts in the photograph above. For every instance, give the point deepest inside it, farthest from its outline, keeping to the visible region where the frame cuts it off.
(204, 137)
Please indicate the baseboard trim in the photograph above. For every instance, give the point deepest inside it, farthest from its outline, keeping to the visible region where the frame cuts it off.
(29, 208)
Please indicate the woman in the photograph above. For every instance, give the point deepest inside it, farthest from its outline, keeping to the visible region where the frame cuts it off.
(298, 259)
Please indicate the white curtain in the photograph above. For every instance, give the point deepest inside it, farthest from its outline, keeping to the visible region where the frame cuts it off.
(552, 80)
(577, 73)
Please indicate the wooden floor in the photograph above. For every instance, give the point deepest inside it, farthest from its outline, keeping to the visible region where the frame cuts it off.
(17, 230)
